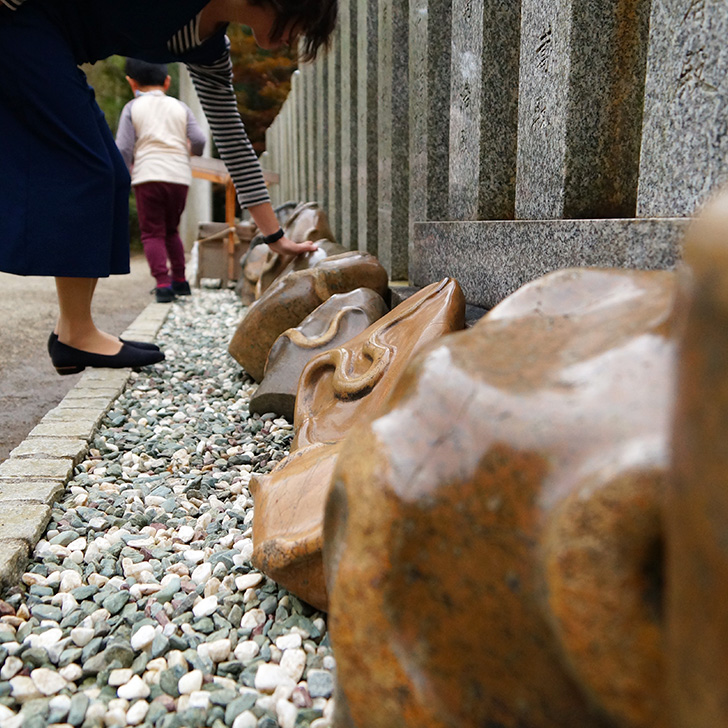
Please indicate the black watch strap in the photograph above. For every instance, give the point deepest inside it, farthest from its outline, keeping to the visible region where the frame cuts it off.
(268, 239)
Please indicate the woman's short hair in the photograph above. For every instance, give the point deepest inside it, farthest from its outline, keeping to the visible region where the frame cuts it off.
(312, 20)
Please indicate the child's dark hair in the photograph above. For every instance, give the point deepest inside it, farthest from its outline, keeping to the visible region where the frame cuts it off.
(313, 20)
(146, 74)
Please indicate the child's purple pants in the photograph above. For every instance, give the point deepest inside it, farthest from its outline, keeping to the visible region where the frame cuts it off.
(160, 206)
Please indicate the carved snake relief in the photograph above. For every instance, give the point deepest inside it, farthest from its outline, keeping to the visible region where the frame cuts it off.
(295, 336)
(345, 383)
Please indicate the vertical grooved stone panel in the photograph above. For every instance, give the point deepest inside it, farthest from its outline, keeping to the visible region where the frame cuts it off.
(367, 44)
(333, 148)
(582, 71)
(393, 136)
(484, 109)
(348, 94)
(685, 134)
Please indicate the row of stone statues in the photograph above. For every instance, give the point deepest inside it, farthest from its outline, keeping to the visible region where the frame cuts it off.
(521, 524)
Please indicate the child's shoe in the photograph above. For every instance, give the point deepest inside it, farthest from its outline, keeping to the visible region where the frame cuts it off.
(181, 288)
(164, 294)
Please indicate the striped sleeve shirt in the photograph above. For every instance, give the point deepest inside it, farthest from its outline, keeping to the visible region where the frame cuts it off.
(214, 85)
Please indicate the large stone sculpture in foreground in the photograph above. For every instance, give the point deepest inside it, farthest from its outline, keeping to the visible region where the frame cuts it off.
(338, 388)
(696, 513)
(293, 297)
(333, 323)
(492, 539)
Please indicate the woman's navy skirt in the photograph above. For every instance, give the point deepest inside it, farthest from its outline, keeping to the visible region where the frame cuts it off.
(64, 188)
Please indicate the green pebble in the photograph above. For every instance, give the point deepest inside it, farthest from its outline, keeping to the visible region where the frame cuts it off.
(116, 602)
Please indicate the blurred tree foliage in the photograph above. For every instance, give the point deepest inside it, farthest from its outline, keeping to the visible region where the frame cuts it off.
(262, 80)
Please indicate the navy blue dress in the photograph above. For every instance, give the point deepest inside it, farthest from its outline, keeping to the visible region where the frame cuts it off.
(64, 188)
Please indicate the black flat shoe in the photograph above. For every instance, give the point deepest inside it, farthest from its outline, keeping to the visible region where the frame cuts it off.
(136, 344)
(68, 360)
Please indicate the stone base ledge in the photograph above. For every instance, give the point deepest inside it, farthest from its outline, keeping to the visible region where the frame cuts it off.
(494, 258)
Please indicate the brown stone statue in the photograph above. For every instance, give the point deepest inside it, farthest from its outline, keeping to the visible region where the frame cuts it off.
(291, 298)
(253, 264)
(696, 513)
(492, 539)
(333, 323)
(305, 221)
(277, 265)
(338, 388)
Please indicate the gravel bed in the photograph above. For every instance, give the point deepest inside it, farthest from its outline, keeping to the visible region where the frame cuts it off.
(140, 606)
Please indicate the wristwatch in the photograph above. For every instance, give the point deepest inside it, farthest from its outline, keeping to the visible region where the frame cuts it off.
(268, 239)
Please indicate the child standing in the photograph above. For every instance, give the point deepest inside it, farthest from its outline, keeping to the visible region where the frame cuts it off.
(156, 136)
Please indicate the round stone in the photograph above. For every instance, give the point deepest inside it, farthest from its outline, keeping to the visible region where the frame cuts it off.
(135, 689)
(190, 683)
(143, 637)
(205, 607)
(48, 681)
(270, 676)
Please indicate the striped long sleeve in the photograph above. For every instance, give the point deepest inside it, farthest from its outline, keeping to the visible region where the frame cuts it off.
(12, 4)
(214, 86)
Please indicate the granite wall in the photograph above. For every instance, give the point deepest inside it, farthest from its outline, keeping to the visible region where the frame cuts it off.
(496, 140)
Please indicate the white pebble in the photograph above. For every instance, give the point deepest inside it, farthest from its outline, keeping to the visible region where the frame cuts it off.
(137, 712)
(13, 665)
(199, 699)
(24, 688)
(246, 581)
(194, 556)
(288, 641)
(252, 619)
(48, 681)
(190, 683)
(202, 573)
(175, 658)
(157, 665)
(135, 689)
(81, 636)
(286, 713)
(61, 703)
(245, 546)
(70, 580)
(120, 677)
(46, 639)
(115, 717)
(185, 533)
(217, 651)
(245, 652)
(205, 607)
(71, 672)
(269, 676)
(294, 663)
(78, 544)
(246, 719)
(143, 637)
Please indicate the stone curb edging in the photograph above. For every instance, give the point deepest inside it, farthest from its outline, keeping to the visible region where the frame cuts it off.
(36, 472)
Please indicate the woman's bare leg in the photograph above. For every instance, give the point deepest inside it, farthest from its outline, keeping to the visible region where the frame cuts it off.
(75, 324)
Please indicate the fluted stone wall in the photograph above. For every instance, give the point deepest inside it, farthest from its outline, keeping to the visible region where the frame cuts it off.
(495, 140)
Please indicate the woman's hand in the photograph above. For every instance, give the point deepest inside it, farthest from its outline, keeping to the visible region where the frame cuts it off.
(286, 246)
